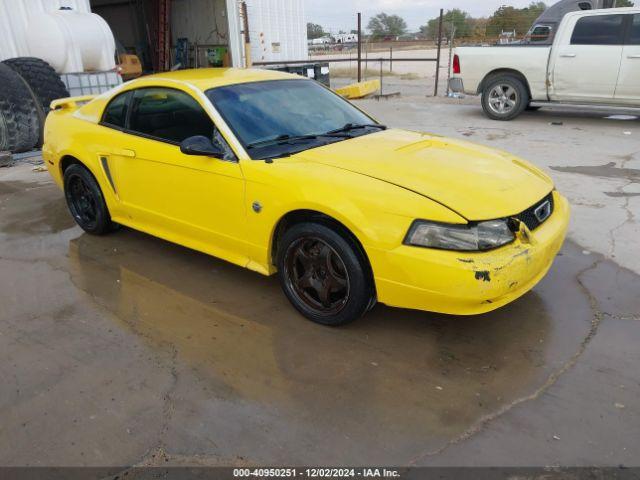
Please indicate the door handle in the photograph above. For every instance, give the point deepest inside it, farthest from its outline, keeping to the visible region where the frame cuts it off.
(124, 152)
(568, 55)
(634, 56)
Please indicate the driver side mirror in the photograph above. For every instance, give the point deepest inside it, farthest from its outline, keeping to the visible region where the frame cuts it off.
(201, 145)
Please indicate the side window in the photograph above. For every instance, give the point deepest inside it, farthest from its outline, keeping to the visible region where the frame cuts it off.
(115, 115)
(540, 33)
(169, 115)
(599, 30)
(634, 34)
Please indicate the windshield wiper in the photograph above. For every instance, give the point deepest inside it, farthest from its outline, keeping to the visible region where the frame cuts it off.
(354, 126)
(283, 139)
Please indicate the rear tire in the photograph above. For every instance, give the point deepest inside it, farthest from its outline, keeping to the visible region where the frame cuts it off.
(85, 201)
(45, 84)
(504, 97)
(19, 120)
(323, 275)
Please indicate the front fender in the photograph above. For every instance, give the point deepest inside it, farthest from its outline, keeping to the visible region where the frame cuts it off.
(377, 213)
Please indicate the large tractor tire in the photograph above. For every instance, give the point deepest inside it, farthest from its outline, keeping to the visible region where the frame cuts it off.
(44, 82)
(19, 113)
(41, 78)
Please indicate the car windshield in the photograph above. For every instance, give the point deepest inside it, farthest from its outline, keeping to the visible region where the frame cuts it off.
(281, 117)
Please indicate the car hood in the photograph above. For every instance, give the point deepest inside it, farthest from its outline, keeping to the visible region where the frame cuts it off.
(476, 182)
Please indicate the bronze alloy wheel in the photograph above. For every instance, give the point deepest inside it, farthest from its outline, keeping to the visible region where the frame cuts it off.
(82, 202)
(317, 275)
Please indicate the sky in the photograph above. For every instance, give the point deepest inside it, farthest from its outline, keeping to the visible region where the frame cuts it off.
(336, 15)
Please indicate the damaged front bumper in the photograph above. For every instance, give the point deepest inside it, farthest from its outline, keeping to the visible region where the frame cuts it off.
(464, 283)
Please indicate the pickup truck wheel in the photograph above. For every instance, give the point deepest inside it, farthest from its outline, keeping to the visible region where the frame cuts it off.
(322, 275)
(504, 97)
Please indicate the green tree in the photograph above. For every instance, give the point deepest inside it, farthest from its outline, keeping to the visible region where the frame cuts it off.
(315, 31)
(383, 25)
(508, 19)
(624, 3)
(461, 20)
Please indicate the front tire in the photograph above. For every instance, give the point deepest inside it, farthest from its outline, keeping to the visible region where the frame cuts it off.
(323, 275)
(85, 201)
(504, 97)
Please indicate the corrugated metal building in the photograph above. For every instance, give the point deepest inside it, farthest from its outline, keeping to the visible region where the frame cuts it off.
(277, 29)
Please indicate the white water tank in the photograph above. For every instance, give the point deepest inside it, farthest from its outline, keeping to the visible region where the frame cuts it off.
(64, 33)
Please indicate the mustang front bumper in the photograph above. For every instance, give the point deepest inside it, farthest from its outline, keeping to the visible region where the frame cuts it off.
(465, 283)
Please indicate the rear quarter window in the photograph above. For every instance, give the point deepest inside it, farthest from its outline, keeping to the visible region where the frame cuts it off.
(115, 115)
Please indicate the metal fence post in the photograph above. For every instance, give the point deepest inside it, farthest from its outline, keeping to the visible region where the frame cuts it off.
(435, 89)
(390, 59)
(359, 47)
(452, 38)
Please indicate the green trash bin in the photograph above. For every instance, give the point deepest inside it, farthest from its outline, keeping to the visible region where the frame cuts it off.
(215, 56)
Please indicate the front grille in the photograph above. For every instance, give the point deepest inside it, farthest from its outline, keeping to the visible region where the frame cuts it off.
(528, 217)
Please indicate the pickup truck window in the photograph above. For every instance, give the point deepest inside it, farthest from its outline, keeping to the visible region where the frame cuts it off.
(540, 33)
(599, 30)
(634, 35)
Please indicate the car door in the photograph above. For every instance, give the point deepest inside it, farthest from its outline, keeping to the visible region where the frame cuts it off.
(197, 201)
(587, 62)
(628, 89)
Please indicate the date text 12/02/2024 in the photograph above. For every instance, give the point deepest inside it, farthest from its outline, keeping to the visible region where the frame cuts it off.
(316, 473)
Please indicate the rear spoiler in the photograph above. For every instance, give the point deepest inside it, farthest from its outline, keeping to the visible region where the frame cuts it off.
(71, 103)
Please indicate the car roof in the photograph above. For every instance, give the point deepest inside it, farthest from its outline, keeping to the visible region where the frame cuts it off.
(603, 11)
(206, 78)
(201, 79)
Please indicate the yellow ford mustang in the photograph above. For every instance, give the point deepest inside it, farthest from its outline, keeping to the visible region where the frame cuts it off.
(275, 173)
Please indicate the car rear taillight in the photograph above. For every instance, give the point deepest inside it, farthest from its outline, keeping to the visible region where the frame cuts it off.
(456, 64)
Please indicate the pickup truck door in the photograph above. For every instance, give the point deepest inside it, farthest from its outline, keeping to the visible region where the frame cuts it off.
(629, 79)
(586, 62)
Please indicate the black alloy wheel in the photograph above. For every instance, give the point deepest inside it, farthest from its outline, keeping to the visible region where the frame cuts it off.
(85, 201)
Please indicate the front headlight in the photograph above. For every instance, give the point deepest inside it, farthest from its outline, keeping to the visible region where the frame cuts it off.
(476, 237)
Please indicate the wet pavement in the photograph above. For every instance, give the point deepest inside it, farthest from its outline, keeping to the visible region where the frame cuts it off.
(126, 349)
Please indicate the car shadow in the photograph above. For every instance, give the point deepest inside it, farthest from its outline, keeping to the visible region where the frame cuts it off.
(402, 373)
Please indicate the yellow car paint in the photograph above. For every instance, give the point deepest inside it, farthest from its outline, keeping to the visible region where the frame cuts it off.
(375, 185)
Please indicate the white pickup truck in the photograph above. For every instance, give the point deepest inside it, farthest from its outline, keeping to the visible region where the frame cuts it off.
(594, 60)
